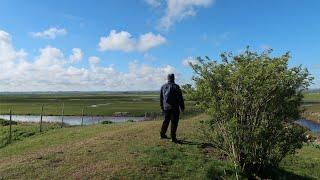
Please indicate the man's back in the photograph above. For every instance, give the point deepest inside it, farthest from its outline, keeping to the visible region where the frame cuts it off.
(171, 97)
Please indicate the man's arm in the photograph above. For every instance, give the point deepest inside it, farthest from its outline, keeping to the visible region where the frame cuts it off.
(180, 98)
(161, 99)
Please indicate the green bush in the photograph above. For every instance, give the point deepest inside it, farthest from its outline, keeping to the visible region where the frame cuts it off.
(4, 122)
(253, 100)
(106, 122)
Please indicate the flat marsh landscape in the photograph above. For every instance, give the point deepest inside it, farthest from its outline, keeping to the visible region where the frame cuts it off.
(99, 103)
(136, 104)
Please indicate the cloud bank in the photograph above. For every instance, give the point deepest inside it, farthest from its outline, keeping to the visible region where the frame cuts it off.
(51, 70)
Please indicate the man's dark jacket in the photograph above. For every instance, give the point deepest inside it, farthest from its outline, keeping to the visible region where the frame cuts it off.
(172, 100)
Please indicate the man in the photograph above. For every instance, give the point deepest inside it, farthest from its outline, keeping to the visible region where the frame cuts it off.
(171, 102)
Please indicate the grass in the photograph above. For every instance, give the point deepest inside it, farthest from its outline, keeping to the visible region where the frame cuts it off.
(20, 131)
(130, 151)
(99, 103)
(312, 96)
(136, 104)
(4, 122)
(312, 102)
(306, 162)
(94, 103)
(120, 150)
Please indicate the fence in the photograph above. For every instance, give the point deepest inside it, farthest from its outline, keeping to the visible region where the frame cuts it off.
(7, 135)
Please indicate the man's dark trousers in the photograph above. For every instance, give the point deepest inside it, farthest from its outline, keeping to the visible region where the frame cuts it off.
(173, 116)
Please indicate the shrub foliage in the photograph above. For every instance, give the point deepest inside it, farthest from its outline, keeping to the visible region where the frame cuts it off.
(253, 100)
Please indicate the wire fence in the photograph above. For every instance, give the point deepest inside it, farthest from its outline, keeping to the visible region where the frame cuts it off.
(11, 130)
(8, 134)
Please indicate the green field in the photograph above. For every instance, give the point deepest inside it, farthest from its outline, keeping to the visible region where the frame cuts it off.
(132, 151)
(93, 103)
(99, 103)
(312, 102)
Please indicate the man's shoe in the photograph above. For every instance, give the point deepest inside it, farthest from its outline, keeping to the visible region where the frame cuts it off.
(164, 137)
(174, 140)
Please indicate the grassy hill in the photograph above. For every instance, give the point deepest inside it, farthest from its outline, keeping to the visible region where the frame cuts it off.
(131, 151)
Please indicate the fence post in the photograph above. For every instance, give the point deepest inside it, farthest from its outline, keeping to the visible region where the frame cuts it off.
(82, 116)
(41, 118)
(62, 114)
(10, 128)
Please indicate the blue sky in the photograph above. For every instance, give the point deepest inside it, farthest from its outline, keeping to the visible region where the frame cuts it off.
(133, 44)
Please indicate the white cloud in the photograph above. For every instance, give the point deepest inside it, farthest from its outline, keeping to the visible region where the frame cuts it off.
(117, 41)
(189, 60)
(49, 56)
(149, 57)
(50, 33)
(153, 3)
(123, 41)
(76, 55)
(9, 57)
(178, 10)
(93, 60)
(149, 40)
(50, 71)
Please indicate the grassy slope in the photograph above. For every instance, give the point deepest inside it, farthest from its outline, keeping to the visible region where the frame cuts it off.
(306, 162)
(127, 150)
(103, 151)
(22, 131)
